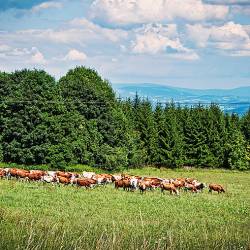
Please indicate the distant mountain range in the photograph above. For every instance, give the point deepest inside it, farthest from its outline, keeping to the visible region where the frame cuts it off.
(230, 100)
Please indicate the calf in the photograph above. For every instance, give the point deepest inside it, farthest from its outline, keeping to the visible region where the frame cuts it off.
(216, 187)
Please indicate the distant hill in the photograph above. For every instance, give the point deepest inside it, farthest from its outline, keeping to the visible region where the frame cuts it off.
(230, 100)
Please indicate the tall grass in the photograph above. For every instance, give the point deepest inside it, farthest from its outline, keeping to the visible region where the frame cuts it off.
(41, 216)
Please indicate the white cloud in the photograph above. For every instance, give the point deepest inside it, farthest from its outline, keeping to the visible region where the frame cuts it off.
(25, 55)
(75, 55)
(4, 48)
(37, 57)
(113, 35)
(232, 37)
(80, 31)
(46, 5)
(123, 12)
(159, 39)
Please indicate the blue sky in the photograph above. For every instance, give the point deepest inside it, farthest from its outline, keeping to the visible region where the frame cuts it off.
(184, 43)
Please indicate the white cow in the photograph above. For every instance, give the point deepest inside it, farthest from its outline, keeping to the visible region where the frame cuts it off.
(133, 183)
(88, 174)
(51, 173)
(48, 179)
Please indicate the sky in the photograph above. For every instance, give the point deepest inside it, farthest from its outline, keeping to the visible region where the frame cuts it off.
(184, 43)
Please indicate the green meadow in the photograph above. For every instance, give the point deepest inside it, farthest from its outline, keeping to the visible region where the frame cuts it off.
(43, 216)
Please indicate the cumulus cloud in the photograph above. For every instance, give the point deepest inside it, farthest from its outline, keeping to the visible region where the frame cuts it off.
(157, 39)
(230, 36)
(123, 12)
(37, 57)
(46, 5)
(79, 31)
(113, 35)
(31, 56)
(75, 55)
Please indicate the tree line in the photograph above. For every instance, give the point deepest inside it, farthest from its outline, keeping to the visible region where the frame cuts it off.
(79, 120)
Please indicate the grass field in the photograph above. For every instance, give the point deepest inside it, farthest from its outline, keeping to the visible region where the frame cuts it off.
(42, 216)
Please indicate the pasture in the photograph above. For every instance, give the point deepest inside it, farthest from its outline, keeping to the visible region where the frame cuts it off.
(43, 216)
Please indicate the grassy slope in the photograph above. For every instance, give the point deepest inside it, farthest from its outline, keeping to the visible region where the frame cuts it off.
(37, 216)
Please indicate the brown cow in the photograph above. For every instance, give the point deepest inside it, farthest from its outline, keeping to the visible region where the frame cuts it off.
(64, 174)
(155, 183)
(169, 187)
(124, 183)
(38, 172)
(63, 180)
(151, 179)
(34, 176)
(2, 173)
(13, 172)
(85, 182)
(181, 179)
(118, 184)
(21, 173)
(144, 185)
(179, 184)
(216, 187)
(190, 180)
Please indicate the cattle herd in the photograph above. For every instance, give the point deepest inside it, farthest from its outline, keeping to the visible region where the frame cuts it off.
(124, 181)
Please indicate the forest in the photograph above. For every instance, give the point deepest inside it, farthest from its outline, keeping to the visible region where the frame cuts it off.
(80, 120)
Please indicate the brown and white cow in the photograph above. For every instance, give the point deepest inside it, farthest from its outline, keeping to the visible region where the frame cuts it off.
(3, 173)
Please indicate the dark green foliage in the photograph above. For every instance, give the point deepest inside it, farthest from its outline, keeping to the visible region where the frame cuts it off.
(26, 102)
(245, 126)
(79, 120)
